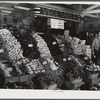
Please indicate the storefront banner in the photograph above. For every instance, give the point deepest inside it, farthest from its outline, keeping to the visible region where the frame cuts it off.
(55, 13)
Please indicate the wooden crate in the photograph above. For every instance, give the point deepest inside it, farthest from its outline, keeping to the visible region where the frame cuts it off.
(72, 86)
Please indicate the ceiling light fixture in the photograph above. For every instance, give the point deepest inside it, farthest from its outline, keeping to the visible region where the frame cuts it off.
(6, 8)
(22, 8)
(6, 11)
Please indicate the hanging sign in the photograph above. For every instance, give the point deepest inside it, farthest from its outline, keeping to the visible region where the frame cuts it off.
(50, 12)
(57, 24)
(60, 24)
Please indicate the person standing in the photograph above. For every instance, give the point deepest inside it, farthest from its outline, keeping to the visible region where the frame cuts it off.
(96, 49)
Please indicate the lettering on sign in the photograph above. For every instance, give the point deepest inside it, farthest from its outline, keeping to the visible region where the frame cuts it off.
(58, 14)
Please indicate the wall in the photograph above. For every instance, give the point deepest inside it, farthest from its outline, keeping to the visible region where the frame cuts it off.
(91, 25)
(16, 18)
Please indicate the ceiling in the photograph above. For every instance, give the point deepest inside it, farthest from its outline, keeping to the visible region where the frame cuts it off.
(86, 10)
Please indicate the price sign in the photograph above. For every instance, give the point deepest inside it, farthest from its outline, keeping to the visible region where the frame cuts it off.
(30, 45)
(54, 43)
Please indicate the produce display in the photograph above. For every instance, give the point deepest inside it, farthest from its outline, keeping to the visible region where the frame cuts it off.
(93, 68)
(11, 46)
(42, 46)
(65, 46)
(34, 66)
(78, 46)
(19, 85)
(75, 76)
(93, 87)
(14, 54)
(52, 73)
(73, 67)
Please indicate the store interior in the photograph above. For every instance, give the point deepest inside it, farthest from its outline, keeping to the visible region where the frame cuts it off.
(49, 46)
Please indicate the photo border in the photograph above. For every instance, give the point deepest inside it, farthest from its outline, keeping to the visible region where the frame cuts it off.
(58, 95)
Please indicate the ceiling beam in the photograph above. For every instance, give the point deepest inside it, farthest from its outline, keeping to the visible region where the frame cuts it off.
(91, 7)
(6, 8)
(92, 11)
(94, 16)
(22, 8)
(75, 7)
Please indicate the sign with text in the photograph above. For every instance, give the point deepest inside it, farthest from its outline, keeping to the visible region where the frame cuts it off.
(49, 12)
(57, 24)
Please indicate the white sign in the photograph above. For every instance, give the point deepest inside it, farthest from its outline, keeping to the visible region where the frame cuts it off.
(60, 24)
(57, 24)
(30, 45)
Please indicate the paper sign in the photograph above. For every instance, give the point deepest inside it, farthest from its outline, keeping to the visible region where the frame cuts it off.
(30, 45)
(54, 23)
(60, 24)
(53, 43)
(57, 24)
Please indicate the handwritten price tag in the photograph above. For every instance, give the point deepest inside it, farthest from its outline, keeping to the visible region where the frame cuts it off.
(54, 43)
(30, 45)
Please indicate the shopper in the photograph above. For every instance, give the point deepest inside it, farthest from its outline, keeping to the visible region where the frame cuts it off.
(67, 36)
(96, 49)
